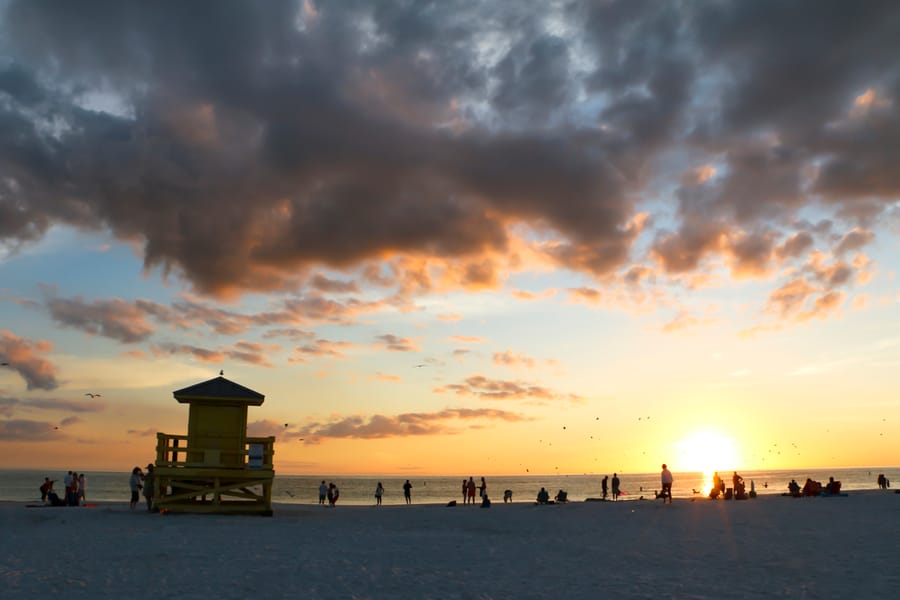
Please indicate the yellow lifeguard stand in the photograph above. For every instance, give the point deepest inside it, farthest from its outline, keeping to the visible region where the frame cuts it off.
(215, 467)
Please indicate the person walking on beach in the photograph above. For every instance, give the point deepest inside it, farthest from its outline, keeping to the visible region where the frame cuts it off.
(82, 480)
(615, 487)
(470, 491)
(604, 485)
(667, 480)
(407, 491)
(135, 483)
(379, 492)
(482, 489)
(323, 492)
(333, 494)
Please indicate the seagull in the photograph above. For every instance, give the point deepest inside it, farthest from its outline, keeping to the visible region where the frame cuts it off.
(222, 373)
(92, 395)
(419, 366)
(4, 364)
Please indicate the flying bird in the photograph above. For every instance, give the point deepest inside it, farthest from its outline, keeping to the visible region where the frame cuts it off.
(419, 366)
(92, 395)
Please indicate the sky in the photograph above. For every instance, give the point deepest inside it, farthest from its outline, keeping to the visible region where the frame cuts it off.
(454, 237)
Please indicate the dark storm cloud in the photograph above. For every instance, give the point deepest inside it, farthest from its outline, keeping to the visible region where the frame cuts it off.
(248, 144)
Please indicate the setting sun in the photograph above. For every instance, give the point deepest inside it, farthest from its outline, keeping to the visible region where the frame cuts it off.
(707, 451)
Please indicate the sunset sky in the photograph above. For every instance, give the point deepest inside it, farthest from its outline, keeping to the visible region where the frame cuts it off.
(454, 237)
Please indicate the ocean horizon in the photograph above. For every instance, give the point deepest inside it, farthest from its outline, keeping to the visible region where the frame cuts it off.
(21, 485)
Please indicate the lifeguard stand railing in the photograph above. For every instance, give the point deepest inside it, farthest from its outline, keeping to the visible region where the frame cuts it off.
(188, 478)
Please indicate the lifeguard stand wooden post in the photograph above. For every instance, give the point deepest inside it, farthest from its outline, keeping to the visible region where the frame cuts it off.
(215, 467)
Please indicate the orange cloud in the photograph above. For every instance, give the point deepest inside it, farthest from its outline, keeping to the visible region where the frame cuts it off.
(403, 425)
(22, 354)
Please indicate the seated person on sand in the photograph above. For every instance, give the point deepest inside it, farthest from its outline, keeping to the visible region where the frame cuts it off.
(811, 488)
(507, 496)
(543, 496)
(562, 496)
(833, 488)
(794, 488)
(485, 501)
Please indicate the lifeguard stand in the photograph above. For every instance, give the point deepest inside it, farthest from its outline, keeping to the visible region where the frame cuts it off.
(215, 467)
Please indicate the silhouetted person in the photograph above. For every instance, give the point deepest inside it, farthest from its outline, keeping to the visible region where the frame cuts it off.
(507, 496)
(46, 488)
(470, 491)
(407, 491)
(135, 483)
(379, 492)
(615, 487)
(794, 488)
(562, 496)
(543, 496)
(833, 487)
(738, 483)
(667, 480)
(323, 492)
(465, 490)
(148, 487)
(717, 486)
(604, 485)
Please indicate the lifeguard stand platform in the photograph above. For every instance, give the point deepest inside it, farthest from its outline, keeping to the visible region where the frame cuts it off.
(215, 468)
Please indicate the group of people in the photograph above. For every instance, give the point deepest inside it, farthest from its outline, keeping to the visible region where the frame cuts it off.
(468, 492)
(814, 488)
(139, 482)
(738, 489)
(883, 482)
(379, 492)
(75, 490)
(604, 486)
(331, 493)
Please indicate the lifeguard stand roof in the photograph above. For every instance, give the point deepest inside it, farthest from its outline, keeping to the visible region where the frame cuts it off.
(220, 389)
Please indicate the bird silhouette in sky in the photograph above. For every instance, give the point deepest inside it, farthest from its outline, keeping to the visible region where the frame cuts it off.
(92, 395)
(419, 366)
(222, 373)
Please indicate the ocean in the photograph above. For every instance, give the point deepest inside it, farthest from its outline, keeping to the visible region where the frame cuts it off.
(22, 485)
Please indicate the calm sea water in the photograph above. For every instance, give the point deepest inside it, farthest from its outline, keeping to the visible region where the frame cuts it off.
(22, 485)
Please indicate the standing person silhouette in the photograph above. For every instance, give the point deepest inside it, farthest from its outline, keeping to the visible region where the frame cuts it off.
(667, 480)
(465, 490)
(323, 492)
(470, 491)
(615, 487)
(379, 492)
(604, 485)
(482, 489)
(407, 491)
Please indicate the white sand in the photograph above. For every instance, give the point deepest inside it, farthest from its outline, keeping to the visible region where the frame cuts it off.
(767, 547)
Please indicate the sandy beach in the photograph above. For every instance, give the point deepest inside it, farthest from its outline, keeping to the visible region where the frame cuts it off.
(763, 548)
